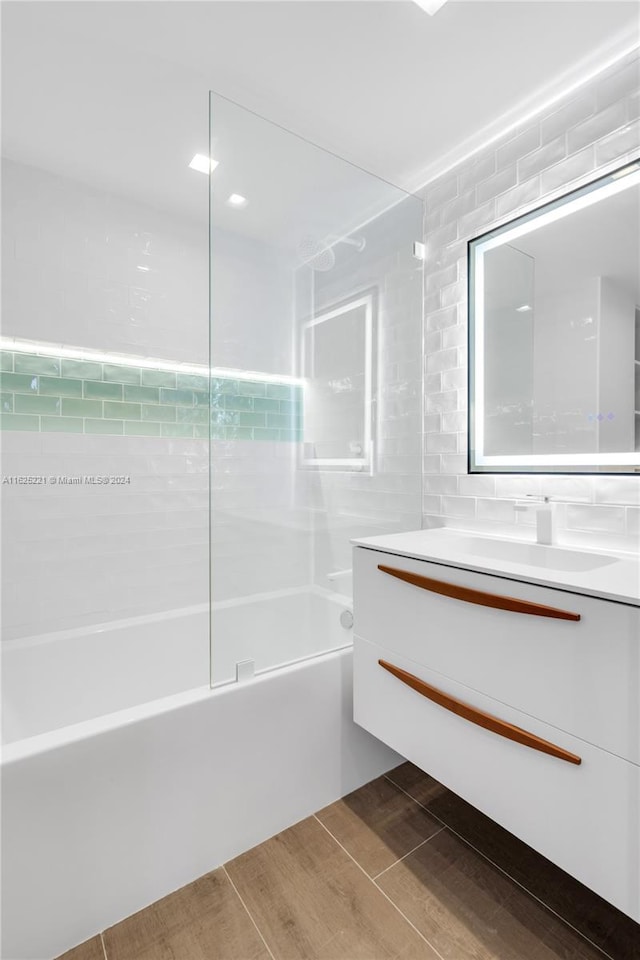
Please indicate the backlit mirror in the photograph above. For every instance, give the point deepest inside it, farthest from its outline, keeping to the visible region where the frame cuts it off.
(338, 368)
(554, 335)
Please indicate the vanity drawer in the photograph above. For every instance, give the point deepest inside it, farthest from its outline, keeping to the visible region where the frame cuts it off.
(585, 818)
(581, 675)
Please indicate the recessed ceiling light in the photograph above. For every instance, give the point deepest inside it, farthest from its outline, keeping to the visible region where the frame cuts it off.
(203, 164)
(237, 200)
(430, 6)
(524, 308)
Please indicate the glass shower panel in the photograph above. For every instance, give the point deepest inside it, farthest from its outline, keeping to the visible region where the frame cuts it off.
(316, 390)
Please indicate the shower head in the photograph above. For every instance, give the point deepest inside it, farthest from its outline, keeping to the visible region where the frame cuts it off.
(321, 256)
(315, 255)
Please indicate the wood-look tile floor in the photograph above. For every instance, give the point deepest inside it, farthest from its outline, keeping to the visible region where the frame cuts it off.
(401, 869)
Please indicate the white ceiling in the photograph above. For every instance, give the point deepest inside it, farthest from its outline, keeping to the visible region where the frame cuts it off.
(115, 94)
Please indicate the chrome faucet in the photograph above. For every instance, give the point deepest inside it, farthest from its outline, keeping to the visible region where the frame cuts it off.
(545, 517)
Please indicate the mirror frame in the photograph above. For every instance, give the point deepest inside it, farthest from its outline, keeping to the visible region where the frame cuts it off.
(368, 300)
(477, 462)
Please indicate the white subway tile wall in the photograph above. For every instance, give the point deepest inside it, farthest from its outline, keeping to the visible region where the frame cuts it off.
(79, 555)
(387, 498)
(594, 129)
(72, 260)
(94, 270)
(84, 554)
(75, 555)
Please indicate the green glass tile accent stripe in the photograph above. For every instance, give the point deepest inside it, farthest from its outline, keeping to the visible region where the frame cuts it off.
(82, 369)
(141, 394)
(183, 397)
(132, 429)
(28, 363)
(192, 414)
(23, 403)
(252, 420)
(280, 420)
(239, 433)
(158, 378)
(82, 408)
(177, 430)
(50, 394)
(111, 427)
(121, 374)
(221, 418)
(238, 403)
(190, 381)
(19, 383)
(15, 421)
(159, 412)
(97, 390)
(61, 424)
(265, 434)
(281, 391)
(63, 387)
(122, 411)
(250, 389)
(266, 406)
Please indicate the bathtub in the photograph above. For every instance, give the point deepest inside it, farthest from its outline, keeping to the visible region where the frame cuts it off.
(64, 678)
(126, 775)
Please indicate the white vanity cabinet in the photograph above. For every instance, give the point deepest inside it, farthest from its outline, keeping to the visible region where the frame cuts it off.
(523, 699)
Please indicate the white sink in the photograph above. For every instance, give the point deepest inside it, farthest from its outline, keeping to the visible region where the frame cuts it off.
(611, 576)
(535, 554)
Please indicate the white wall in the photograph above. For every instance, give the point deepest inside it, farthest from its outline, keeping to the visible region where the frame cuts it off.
(72, 259)
(594, 128)
(251, 309)
(79, 555)
(70, 276)
(71, 269)
(385, 499)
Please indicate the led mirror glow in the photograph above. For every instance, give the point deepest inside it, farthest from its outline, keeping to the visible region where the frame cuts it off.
(554, 335)
(337, 364)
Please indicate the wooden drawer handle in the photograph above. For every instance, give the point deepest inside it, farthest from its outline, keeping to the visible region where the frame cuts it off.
(485, 720)
(479, 596)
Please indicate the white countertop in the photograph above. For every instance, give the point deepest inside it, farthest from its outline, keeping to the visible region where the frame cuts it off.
(616, 579)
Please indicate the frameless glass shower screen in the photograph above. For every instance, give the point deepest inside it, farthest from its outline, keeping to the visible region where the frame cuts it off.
(316, 390)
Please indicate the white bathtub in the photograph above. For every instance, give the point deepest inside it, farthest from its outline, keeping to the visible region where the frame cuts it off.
(65, 678)
(146, 777)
